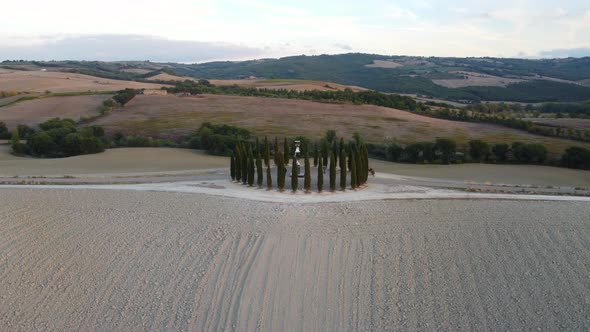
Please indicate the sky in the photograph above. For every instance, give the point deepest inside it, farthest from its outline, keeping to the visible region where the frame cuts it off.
(207, 30)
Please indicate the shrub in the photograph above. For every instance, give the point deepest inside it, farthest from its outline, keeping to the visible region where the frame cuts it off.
(478, 150)
(576, 157)
(4, 133)
(42, 144)
(139, 141)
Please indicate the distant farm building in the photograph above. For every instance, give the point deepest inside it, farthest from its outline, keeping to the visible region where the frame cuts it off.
(154, 92)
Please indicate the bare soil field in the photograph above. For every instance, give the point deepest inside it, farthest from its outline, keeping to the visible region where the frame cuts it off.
(168, 77)
(120, 260)
(294, 85)
(172, 116)
(38, 81)
(35, 111)
(475, 79)
(112, 161)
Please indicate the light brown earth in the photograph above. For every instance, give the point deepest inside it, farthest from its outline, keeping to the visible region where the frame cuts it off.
(172, 116)
(168, 77)
(568, 123)
(35, 111)
(475, 79)
(112, 161)
(38, 81)
(294, 85)
(120, 260)
(384, 64)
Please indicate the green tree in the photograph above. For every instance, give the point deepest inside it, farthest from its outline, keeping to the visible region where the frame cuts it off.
(232, 168)
(4, 133)
(320, 176)
(331, 136)
(251, 167)
(280, 172)
(244, 161)
(266, 152)
(447, 148)
(42, 144)
(325, 151)
(342, 161)
(124, 96)
(500, 151)
(286, 151)
(238, 163)
(576, 157)
(316, 153)
(18, 148)
(478, 150)
(353, 176)
(307, 178)
(333, 172)
(276, 151)
(294, 175)
(268, 178)
(259, 170)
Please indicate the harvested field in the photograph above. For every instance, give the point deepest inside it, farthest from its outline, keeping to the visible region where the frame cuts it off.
(582, 124)
(475, 79)
(112, 161)
(384, 64)
(487, 173)
(35, 111)
(117, 260)
(172, 116)
(38, 81)
(168, 77)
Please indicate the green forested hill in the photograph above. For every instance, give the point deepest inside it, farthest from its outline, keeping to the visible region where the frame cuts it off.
(548, 80)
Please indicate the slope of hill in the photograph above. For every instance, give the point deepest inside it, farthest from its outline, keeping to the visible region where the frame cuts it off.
(455, 79)
(171, 116)
(40, 81)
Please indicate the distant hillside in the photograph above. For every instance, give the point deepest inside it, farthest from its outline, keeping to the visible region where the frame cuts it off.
(454, 79)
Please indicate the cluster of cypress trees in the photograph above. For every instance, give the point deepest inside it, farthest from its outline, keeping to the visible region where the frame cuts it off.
(246, 164)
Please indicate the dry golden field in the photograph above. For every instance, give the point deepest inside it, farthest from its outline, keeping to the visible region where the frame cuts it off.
(172, 116)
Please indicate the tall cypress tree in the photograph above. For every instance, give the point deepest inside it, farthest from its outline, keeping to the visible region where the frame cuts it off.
(320, 176)
(286, 152)
(294, 175)
(342, 169)
(257, 147)
(244, 160)
(232, 168)
(353, 183)
(259, 170)
(316, 153)
(335, 151)
(333, 172)
(266, 152)
(268, 178)
(238, 162)
(276, 151)
(307, 179)
(280, 172)
(251, 167)
(359, 167)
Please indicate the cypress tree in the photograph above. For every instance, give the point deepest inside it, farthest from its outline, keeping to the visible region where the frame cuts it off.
(307, 179)
(257, 147)
(342, 169)
(250, 167)
(353, 183)
(359, 167)
(315, 154)
(286, 156)
(259, 170)
(238, 162)
(268, 178)
(333, 172)
(276, 151)
(232, 168)
(294, 175)
(280, 172)
(325, 149)
(266, 152)
(244, 158)
(320, 176)
(335, 151)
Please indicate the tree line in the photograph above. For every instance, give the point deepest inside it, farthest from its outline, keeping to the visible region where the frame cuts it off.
(350, 160)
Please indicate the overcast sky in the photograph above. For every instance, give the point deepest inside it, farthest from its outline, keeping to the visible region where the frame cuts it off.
(205, 30)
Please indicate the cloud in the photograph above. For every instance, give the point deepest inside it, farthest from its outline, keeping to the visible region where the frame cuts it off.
(344, 47)
(566, 53)
(127, 47)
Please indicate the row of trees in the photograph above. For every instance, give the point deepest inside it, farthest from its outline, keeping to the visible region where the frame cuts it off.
(246, 164)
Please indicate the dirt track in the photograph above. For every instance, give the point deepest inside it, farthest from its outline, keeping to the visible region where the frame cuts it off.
(117, 260)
